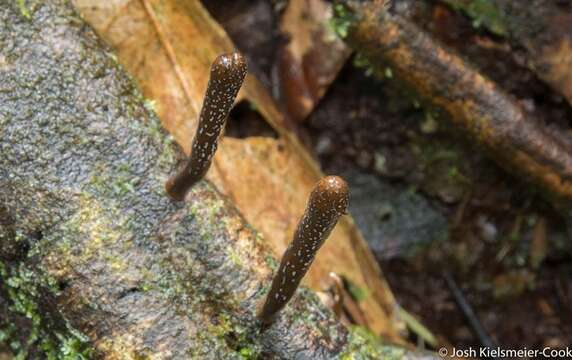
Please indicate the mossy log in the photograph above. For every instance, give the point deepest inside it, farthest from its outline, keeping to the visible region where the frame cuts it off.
(95, 260)
(475, 104)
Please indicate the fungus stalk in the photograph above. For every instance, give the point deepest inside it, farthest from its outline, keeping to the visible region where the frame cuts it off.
(328, 201)
(227, 75)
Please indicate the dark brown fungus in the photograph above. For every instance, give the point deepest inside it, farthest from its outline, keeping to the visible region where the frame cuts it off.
(227, 75)
(328, 201)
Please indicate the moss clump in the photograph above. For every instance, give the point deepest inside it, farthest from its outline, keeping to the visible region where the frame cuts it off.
(24, 9)
(483, 12)
(364, 345)
(341, 21)
(358, 293)
(235, 256)
(227, 336)
(99, 231)
(23, 288)
(248, 353)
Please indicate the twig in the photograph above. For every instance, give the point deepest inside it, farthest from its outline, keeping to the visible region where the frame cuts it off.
(468, 312)
(458, 218)
(418, 328)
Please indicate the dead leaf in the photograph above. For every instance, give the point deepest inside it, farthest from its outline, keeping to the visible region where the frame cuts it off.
(556, 62)
(168, 46)
(312, 58)
(539, 244)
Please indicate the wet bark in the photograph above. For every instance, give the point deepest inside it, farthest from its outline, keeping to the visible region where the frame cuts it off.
(95, 260)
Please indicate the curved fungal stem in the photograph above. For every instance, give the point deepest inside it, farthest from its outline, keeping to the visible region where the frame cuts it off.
(227, 75)
(328, 201)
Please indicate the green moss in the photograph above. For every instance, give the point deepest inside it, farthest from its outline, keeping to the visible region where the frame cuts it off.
(22, 285)
(121, 183)
(24, 9)
(72, 348)
(147, 287)
(240, 339)
(210, 220)
(100, 227)
(445, 166)
(360, 61)
(6, 338)
(341, 21)
(358, 293)
(483, 12)
(364, 345)
(310, 318)
(217, 340)
(223, 326)
(234, 256)
(248, 353)
(214, 209)
(150, 105)
(271, 262)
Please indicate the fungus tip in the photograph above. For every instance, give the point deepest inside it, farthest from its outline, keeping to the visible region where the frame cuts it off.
(331, 192)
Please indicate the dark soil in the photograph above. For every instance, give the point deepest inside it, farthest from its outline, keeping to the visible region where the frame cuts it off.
(506, 247)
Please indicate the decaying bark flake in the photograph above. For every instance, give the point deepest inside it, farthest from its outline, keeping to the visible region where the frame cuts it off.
(311, 59)
(94, 255)
(473, 102)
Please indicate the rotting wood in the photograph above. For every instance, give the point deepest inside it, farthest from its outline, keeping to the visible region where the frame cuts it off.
(282, 168)
(94, 255)
(474, 103)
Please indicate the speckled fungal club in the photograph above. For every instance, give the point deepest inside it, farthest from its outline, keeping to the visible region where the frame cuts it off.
(227, 75)
(328, 201)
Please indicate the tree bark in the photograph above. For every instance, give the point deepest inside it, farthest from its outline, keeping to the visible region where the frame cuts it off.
(95, 260)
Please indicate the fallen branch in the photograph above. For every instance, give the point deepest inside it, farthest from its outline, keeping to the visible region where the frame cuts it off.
(467, 310)
(474, 103)
(95, 260)
(541, 28)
